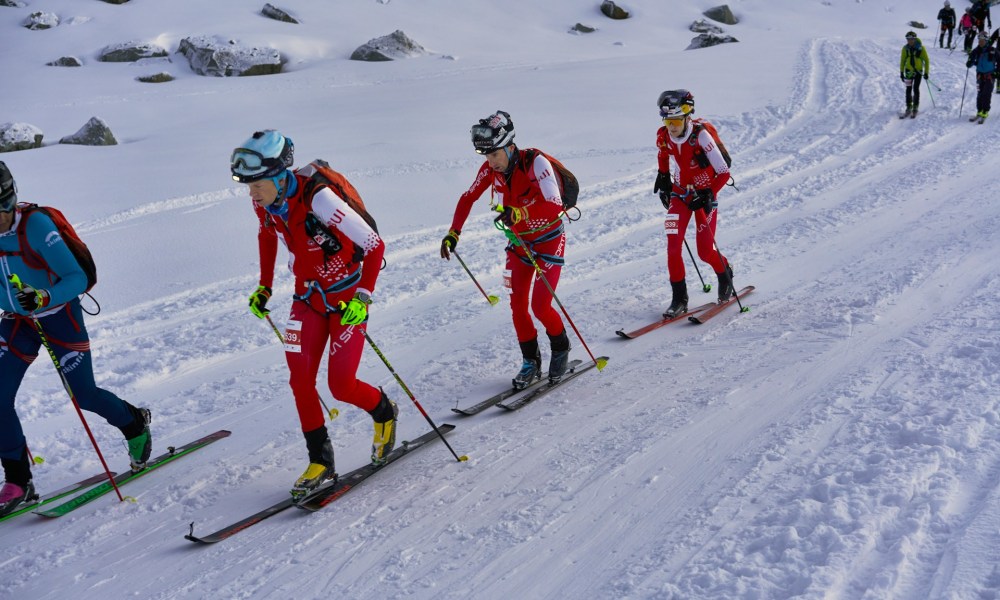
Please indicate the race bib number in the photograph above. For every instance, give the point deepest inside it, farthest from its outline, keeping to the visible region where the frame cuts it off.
(293, 337)
(670, 224)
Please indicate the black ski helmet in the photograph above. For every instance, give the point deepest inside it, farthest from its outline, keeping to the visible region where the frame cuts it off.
(492, 133)
(675, 104)
(911, 35)
(8, 189)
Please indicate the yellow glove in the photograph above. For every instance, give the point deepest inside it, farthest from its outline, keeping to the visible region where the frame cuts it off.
(258, 301)
(511, 215)
(355, 312)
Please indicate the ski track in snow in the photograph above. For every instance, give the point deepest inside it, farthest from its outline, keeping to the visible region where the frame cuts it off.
(915, 350)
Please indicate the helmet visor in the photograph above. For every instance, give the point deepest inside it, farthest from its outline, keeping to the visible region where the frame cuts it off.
(673, 111)
(248, 165)
(8, 195)
(484, 138)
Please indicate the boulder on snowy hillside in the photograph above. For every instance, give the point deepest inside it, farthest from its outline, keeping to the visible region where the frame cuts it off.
(130, 51)
(703, 26)
(706, 40)
(19, 136)
(66, 61)
(41, 20)
(94, 132)
(613, 11)
(388, 47)
(722, 14)
(273, 12)
(12, 3)
(218, 57)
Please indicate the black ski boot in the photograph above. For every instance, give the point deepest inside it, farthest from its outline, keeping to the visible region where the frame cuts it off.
(679, 302)
(531, 368)
(560, 356)
(320, 462)
(726, 284)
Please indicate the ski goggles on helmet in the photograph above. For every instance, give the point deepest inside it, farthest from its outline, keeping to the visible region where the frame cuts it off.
(8, 194)
(249, 165)
(485, 138)
(668, 111)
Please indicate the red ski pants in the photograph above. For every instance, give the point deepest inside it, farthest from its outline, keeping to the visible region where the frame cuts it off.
(527, 290)
(676, 224)
(306, 339)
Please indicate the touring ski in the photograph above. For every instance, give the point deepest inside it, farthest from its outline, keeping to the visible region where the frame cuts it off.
(60, 493)
(492, 400)
(106, 487)
(631, 335)
(547, 387)
(719, 307)
(326, 493)
(341, 485)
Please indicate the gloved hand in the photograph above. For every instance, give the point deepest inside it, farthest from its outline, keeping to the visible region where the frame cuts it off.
(663, 182)
(902, 77)
(927, 74)
(665, 198)
(448, 244)
(510, 215)
(31, 299)
(355, 312)
(703, 199)
(258, 301)
(663, 186)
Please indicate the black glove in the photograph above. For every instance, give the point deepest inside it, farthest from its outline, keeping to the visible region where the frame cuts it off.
(448, 244)
(902, 77)
(703, 199)
(663, 186)
(663, 182)
(31, 299)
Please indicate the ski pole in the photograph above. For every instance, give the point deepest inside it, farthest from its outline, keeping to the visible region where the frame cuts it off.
(931, 94)
(399, 380)
(964, 86)
(493, 300)
(705, 287)
(716, 246)
(14, 279)
(743, 309)
(936, 86)
(333, 412)
(599, 362)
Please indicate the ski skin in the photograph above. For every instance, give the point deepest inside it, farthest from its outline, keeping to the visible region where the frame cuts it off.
(326, 493)
(631, 335)
(60, 493)
(721, 306)
(106, 487)
(538, 392)
(475, 409)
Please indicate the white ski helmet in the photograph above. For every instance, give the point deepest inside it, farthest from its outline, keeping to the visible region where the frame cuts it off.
(492, 133)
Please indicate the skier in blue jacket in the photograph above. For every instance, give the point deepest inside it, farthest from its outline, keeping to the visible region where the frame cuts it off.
(985, 58)
(50, 295)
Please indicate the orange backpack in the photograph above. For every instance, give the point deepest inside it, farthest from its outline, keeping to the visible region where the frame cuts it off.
(73, 242)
